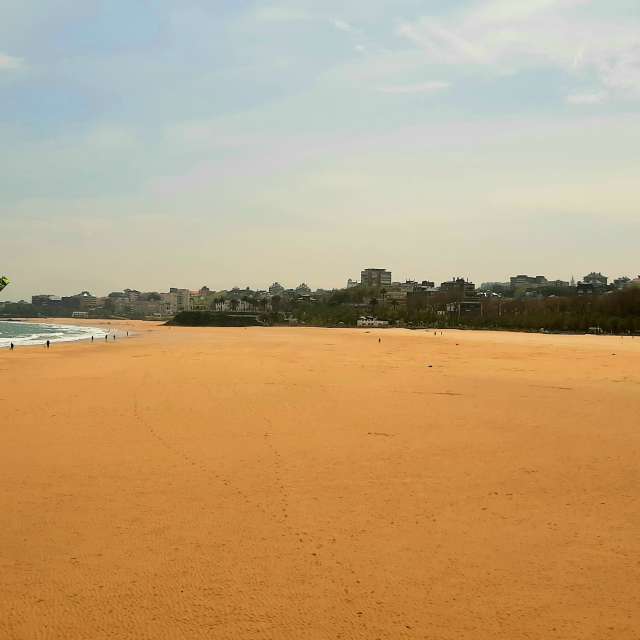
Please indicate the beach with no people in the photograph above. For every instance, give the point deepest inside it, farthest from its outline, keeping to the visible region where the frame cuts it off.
(317, 483)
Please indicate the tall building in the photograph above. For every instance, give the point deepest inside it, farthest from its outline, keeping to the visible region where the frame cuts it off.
(177, 300)
(375, 278)
(528, 281)
(82, 301)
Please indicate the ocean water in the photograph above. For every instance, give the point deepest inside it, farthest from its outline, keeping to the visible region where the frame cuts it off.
(28, 333)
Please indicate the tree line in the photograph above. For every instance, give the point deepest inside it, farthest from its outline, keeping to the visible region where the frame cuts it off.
(616, 312)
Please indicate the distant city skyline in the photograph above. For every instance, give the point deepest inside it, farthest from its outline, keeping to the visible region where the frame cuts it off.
(512, 279)
(244, 142)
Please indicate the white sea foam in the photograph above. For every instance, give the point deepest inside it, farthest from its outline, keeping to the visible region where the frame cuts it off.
(28, 333)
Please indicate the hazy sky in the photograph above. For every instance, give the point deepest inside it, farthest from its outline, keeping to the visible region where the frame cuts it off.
(180, 143)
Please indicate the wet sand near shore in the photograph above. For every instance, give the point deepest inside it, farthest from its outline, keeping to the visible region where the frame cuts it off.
(313, 483)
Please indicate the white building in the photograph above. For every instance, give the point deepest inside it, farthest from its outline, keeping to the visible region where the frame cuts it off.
(371, 322)
(240, 305)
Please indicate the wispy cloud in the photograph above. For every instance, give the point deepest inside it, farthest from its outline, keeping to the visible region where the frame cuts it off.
(441, 44)
(8, 63)
(423, 87)
(587, 98)
(342, 25)
(511, 36)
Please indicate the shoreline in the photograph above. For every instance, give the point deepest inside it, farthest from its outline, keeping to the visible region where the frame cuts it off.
(166, 322)
(89, 329)
(57, 337)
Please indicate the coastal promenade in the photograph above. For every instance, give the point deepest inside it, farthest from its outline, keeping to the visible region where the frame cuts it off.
(299, 483)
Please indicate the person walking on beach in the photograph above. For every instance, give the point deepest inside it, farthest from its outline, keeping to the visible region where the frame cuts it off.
(11, 347)
(106, 337)
(48, 344)
(91, 338)
(114, 336)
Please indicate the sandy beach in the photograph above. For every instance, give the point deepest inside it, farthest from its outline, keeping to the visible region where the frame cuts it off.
(314, 483)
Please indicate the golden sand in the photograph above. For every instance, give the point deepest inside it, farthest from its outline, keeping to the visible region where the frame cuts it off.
(314, 483)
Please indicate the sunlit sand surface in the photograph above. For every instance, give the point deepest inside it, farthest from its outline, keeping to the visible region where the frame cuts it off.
(314, 483)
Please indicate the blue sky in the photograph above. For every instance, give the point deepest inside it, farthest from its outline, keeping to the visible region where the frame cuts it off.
(156, 144)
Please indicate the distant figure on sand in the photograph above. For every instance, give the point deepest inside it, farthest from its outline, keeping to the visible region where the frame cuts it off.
(106, 337)
(48, 344)
(91, 338)
(114, 336)
(379, 339)
(11, 346)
